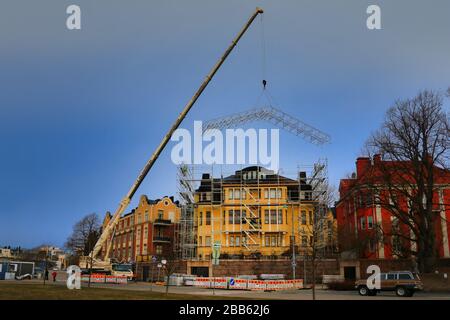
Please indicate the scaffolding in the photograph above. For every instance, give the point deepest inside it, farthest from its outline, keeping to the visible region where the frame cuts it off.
(201, 185)
(185, 244)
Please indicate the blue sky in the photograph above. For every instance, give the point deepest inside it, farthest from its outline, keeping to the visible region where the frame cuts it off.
(81, 111)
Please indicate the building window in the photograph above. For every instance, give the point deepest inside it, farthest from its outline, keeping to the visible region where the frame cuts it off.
(304, 241)
(144, 250)
(369, 222)
(224, 217)
(237, 244)
(208, 218)
(273, 216)
(146, 216)
(368, 200)
(231, 241)
(371, 245)
(310, 215)
(160, 214)
(200, 241)
(208, 241)
(267, 241)
(363, 223)
(230, 194)
(272, 193)
(303, 217)
(159, 250)
(200, 218)
(234, 217)
(273, 241)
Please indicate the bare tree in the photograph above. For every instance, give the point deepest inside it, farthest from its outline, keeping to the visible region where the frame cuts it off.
(414, 144)
(170, 267)
(323, 197)
(84, 235)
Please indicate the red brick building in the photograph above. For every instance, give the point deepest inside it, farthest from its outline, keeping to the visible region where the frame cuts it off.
(146, 231)
(369, 227)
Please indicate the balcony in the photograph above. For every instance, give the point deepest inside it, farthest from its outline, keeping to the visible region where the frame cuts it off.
(162, 222)
(162, 239)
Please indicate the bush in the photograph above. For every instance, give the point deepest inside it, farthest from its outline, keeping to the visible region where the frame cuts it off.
(342, 285)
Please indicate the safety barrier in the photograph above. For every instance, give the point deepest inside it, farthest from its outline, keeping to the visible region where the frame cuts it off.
(102, 278)
(257, 285)
(220, 283)
(245, 284)
(237, 284)
(202, 282)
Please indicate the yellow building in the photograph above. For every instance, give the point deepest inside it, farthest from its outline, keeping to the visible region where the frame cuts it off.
(254, 212)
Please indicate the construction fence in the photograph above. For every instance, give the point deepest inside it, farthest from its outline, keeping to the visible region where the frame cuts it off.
(229, 283)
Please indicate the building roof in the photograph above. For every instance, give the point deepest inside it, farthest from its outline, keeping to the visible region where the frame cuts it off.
(263, 176)
(375, 171)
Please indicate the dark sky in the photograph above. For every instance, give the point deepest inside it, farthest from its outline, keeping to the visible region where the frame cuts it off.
(81, 111)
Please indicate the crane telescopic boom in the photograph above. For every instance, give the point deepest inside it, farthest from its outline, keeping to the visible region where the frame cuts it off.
(126, 200)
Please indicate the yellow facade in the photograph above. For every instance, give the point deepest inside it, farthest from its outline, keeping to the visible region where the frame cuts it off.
(253, 216)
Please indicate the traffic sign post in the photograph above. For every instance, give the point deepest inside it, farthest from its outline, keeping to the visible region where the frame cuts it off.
(215, 261)
(216, 253)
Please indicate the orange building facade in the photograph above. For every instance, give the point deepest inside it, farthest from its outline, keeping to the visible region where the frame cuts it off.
(148, 230)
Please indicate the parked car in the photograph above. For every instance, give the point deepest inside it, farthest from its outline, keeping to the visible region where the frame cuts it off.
(404, 283)
(38, 272)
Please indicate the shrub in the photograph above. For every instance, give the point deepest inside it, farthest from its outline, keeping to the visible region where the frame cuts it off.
(341, 285)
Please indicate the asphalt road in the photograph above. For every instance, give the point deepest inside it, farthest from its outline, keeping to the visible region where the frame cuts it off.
(305, 294)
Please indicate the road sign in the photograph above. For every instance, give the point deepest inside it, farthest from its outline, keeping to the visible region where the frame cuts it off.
(232, 282)
(216, 250)
(154, 259)
(164, 261)
(159, 265)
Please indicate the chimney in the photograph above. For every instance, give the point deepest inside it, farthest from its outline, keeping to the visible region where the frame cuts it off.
(362, 164)
(205, 176)
(377, 158)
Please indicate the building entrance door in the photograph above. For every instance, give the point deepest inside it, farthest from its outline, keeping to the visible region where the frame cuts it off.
(350, 273)
(145, 270)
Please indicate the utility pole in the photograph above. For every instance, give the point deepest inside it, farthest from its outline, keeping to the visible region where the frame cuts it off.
(45, 269)
(294, 262)
(90, 263)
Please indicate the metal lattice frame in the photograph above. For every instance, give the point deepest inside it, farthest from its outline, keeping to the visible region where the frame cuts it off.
(274, 116)
(186, 243)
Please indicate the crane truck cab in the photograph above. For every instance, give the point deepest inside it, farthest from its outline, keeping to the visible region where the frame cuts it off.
(122, 270)
(106, 267)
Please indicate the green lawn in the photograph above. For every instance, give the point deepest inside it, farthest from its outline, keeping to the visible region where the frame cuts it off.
(12, 291)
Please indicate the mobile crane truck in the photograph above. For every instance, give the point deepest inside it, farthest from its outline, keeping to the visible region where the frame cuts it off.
(104, 263)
